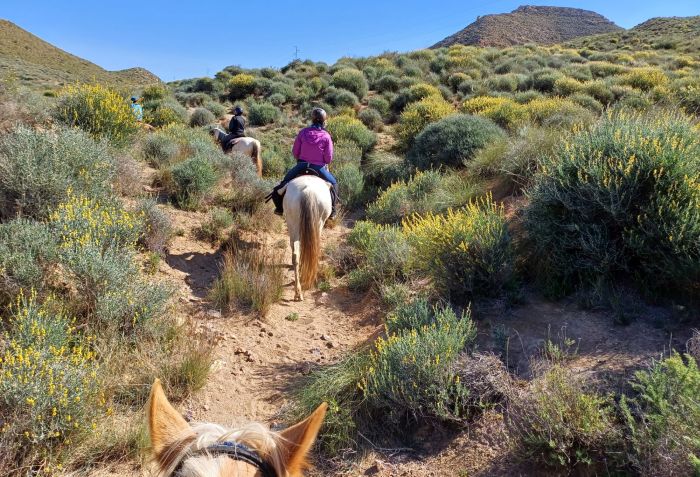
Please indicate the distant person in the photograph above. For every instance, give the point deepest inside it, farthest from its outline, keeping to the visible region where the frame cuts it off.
(136, 108)
(236, 128)
(313, 149)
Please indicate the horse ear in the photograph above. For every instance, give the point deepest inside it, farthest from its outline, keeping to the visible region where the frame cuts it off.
(298, 439)
(165, 424)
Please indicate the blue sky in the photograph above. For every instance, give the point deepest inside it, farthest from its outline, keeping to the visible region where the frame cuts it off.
(179, 40)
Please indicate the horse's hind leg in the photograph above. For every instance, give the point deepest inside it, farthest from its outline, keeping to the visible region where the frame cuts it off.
(298, 294)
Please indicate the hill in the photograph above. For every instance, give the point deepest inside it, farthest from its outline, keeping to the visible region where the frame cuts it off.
(669, 33)
(530, 24)
(39, 64)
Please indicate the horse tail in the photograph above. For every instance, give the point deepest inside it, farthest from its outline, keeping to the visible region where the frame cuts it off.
(310, 241)
(256, 157)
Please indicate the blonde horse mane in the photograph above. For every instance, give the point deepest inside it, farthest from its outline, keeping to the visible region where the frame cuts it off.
(254, 435)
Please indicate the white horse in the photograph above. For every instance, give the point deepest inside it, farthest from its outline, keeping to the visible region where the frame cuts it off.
(246, 145)
(307, 206)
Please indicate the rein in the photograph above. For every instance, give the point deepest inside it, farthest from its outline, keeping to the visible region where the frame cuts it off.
(235, 451)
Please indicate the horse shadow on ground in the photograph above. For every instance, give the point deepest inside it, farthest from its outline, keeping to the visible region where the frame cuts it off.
(200, 269)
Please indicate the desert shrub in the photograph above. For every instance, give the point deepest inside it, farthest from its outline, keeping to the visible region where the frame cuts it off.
(342, 98)
(276, 99)
(412, 94)
(165, 114)
(345, 128)
(645, 78)
(371, 118)
(383, 254)
(247, 190)
(98, 110)
(352, 80)
(379, 104)
(599, 90)
(588, 102)
(515, 160)
(158, 227)
(351, 184)
(387, 83)
(263, 113)
(466, 251)
(687, 90)
(425, 192)
(418, 115)
(503, 111)
(155, 92)
(566, 86)
(194, 179)
(558, 112)
(217, 109)
(545, 79)
(506, 82)
(619, 201)
(383, 168)
(49, 387)
(159, 149)
(452, 140)
(664, 417)
(410, 375)
(559, 423)
(213, 228)
(240, 86)
(249, 278)
(38, 169)
(201, 117)
(27, 249)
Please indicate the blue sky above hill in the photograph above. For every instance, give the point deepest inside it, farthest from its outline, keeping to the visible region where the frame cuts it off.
(178, 40)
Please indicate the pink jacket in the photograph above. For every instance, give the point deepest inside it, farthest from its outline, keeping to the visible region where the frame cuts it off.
(313, 145)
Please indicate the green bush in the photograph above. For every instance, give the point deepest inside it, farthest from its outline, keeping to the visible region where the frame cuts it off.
(155, 92)
(352, 80)
(342, 98)
(351, 184)
(387, 83)
(165, 114)
(247, 191)
(217, 109)
(38, 169)
(383, 168)
(263, 113)
(664, 417)
(213, 228)
(410, 375)
(559, 423)
(27, 249)
(619, 201)
(383, 254)
(345, 128)
(201, 117)
(158, 227)
(452, 140)
(380, 104)
(99, 111)
(418, 115)
(49, 387)
(194, 179)
(159, 149)
(467, 252)
(371, 118)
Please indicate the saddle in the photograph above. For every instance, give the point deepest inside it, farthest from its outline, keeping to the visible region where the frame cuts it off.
(230, 143)
(304, 172)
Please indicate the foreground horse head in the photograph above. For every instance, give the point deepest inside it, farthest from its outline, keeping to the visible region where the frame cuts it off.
(209, 450)
(245, 145)
(307, 206)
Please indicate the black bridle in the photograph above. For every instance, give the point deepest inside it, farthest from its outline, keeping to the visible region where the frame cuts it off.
(234, 451)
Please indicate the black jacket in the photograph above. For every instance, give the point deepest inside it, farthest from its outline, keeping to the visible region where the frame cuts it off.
(236, 127)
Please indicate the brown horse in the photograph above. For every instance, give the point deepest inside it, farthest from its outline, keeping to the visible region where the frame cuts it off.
(209, 450)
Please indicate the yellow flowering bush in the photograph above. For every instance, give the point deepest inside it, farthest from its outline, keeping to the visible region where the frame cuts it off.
(645, 78)
(503, 111)
(100, 111)
(410, 373)
(344, 128)
(418, 115)
(49, 384)
(466, 251)
(240, 86)
(620, 200)
(558, 111)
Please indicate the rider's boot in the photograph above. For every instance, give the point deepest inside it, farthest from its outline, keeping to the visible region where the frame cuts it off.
(278, 200)
(334, 202)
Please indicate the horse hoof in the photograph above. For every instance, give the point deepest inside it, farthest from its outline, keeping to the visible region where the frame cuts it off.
(298, 298)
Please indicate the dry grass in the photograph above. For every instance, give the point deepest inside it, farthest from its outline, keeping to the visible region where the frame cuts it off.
(251, 278)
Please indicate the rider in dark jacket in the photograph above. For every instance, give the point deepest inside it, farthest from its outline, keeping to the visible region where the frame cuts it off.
(236, 127)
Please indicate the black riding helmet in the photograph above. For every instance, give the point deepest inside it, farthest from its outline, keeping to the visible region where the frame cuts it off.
(237, 110)
(318, 116)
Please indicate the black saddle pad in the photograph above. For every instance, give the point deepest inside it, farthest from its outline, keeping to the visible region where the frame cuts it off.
(308, 172)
